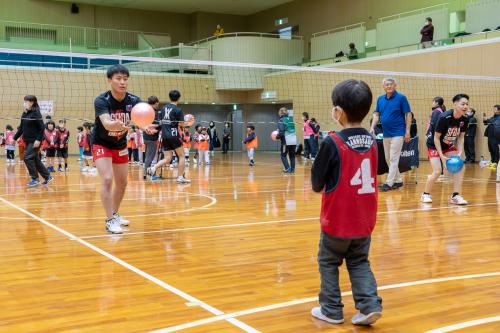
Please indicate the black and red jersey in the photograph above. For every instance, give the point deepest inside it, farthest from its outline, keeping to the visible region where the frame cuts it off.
(345, 170)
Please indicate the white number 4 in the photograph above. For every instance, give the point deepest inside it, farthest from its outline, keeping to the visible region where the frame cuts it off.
(364, 178)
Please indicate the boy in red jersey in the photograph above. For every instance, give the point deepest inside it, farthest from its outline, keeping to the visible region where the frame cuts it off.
(62, 149)
(345, 170)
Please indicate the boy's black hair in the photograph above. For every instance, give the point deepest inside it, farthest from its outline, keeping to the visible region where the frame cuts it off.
(80, 128)
(117, 69)
(87, 125)
(251, 126)
(174, 95)
(458, 97)
(9, 128)
(153, 100)
(429, 19)
(354, 97)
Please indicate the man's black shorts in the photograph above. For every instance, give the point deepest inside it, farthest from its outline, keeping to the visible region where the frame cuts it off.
(170, 143)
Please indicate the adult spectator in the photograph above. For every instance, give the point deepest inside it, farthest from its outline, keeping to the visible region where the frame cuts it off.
(490, 133)
(219, 31)
(394, 112)
(427, 33)
(315, 140)
(226, 136)
(286, 133)
(353, 53)
(214, 139)
(151, 140)
(470, 137)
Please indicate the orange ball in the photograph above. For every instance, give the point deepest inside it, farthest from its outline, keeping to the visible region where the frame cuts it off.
(142, 114)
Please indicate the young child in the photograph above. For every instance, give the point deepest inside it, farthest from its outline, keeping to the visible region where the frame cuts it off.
(87, 149)
(203, 145)
(197, 131)
(62, 150)
(251, 142)
(345, 170)
(186, 143)
(79, 139)
(131, 143)
(22, 146)
(10, 144)
(445, 138)
(50, 144)
(2, 140)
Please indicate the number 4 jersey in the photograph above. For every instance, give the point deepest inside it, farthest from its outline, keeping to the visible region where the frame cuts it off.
(349, 205)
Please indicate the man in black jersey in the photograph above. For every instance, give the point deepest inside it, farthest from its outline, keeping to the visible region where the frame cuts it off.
(112, 117)
(445, 138)
(171, 117)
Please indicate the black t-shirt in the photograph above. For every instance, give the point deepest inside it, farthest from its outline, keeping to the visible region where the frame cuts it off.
(449, 127)
(325, 172)
(119, 110)
(170, 116)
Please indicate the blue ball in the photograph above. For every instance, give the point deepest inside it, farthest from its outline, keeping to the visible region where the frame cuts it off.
(454, 164)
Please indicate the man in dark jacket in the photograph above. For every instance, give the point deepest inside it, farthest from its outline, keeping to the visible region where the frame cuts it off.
(427, 33)
(490, 133)
(470, 137)
(32, 129)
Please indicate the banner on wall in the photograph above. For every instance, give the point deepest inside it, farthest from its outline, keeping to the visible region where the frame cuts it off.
(46, 109)
(407, 160)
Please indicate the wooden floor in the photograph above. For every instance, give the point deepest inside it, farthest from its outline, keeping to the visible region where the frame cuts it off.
(236, 251)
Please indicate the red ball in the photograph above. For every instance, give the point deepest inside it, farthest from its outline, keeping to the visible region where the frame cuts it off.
(274, 135)
(189, 120)
(142, 114)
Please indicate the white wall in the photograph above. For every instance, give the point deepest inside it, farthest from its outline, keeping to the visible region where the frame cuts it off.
(327, 45)
(259, 50)
(481, 15)
(405, 30)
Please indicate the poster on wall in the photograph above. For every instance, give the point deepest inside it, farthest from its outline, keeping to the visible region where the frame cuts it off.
(46, 109)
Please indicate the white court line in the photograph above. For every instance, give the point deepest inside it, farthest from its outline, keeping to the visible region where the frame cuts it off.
(315, 299)
(466, 324)
(222, 226)
(134, 269)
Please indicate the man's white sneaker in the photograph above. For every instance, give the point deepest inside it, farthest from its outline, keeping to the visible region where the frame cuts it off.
(316, 313)
(120, 218)
(458, 200)
(182, 180)
(151, 171)
(426, 198)
(113, 226)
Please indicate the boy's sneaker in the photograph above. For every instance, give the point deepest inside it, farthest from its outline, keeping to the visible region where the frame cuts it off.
(60, 169)
(397, 185)
(113, 226)
(458, 200)
(120, 219)
(47, 180)
(51, 169)
(182, 180)
(252, 163)
(33, 183)
(385, 187)
(151, 171)
(316, 313)
(366, 320)
(426, 198)
(85, 169)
